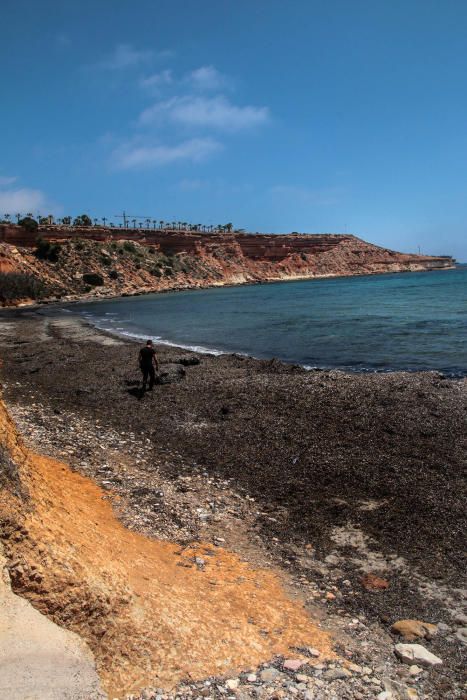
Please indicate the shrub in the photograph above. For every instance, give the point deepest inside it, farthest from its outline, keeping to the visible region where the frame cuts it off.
(29, 223)
(20, 285)
(129, 247)
(79, 244)
(106, 261)
(113, 274)
(93, 279)
(156, 272)
(46, 250)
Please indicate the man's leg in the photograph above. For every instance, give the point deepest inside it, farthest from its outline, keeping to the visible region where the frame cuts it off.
(145, 371)
(152, 377)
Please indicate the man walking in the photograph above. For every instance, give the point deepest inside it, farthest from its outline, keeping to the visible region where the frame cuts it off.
(147, 362)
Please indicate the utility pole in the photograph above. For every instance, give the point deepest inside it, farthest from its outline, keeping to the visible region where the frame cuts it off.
(130, 217)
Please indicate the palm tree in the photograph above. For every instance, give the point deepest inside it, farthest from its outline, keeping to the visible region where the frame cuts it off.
(133, 221)
(161, 223)
(104, 220)
(18, 217)
(154, 222)
(228, 227)
(7, 217)
(148, 221)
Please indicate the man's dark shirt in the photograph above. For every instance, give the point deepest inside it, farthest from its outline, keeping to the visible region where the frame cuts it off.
(145, 356)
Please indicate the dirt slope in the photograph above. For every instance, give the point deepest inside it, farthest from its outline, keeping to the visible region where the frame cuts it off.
(152, 612)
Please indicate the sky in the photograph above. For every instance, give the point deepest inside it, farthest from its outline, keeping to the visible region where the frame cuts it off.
(344, 116)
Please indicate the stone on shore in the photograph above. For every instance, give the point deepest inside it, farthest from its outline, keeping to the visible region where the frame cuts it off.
(413, 629)
(416, 654)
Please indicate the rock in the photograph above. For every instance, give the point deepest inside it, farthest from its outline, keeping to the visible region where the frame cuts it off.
(415, 653)
(269, 674)
(170, 373)
(330, 596)
(313, 652)
(461, 634)
(252, 678)
(412, 629)
(302, 678)
(334, 674)
(374, 583)
(292, 664)
(354, 668)
(190, 361)
(309, 695)
(398, 691)
(232, 683)
(415, 670)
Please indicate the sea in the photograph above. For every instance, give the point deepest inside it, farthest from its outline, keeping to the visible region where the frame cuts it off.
(375, 323)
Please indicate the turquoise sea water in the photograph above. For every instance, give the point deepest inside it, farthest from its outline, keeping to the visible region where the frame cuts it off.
(410, 321)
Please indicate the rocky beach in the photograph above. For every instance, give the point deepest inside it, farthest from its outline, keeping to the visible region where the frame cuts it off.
(347, 486)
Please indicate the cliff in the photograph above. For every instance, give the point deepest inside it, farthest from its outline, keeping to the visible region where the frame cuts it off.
(137, 261)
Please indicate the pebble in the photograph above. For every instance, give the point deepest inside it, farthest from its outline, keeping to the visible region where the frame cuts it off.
(269, 674)
(293, 664)
(334, 674)
(415, 670)
(313, 652)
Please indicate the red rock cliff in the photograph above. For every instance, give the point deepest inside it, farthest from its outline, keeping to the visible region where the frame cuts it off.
(161, 260)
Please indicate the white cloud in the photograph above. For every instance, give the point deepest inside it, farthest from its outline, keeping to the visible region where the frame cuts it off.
(216, 112)
(157, 79)
(206, 78)
(21, 201)
(309, 195)
(140, 156)
(125, 56)
(5, 181)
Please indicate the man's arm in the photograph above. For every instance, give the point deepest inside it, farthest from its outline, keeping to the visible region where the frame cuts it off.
(156, 364)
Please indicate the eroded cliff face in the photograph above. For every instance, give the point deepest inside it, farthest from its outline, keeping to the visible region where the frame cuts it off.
(133, 262)
(149, 613)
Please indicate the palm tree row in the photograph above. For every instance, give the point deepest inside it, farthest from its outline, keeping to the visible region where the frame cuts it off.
(145, 225)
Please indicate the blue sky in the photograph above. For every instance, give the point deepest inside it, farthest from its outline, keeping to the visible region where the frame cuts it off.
(276, 115)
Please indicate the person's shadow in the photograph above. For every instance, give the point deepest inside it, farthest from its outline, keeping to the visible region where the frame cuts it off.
(135, 389)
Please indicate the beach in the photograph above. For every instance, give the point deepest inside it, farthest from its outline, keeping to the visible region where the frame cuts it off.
(324, 475)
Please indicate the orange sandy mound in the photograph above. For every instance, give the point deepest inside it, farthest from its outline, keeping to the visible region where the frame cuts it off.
(149, 614)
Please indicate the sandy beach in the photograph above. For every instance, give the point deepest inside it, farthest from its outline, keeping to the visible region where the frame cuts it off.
(323, 475)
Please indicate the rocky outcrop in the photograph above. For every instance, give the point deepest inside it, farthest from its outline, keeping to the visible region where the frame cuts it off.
(132, 262)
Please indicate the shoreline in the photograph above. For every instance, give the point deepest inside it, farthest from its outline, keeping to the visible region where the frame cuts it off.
(77, 299)
(72, 306)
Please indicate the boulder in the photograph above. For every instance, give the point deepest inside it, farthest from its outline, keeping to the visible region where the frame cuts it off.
(169, 374)
(413, 629)
(416, 654)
